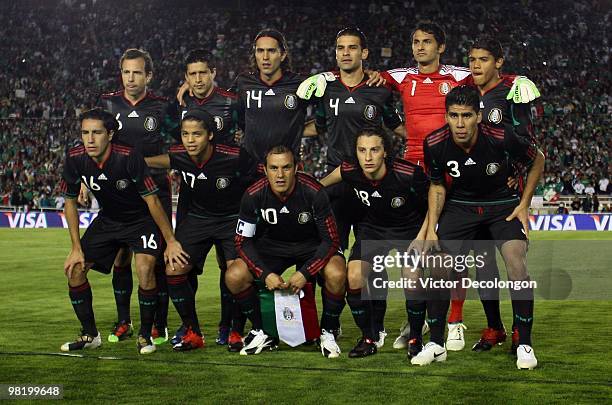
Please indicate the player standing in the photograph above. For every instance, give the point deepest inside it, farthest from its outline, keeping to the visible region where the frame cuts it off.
(286, 220)
(392, 192)
(143, 121)
(131, 215)
(479, 160)
(213, 177)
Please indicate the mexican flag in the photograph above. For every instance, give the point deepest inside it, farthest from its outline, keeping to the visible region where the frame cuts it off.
(290, 317)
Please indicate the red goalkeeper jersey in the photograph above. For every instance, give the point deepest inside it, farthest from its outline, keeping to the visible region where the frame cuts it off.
(423, 99)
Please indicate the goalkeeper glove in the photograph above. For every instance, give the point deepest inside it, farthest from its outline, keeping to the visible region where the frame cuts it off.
(523, 90)
(315, 84)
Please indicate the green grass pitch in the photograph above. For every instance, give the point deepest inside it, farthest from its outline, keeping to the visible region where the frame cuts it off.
(571, 339)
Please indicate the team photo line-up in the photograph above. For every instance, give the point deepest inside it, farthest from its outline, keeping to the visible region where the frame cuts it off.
(469, 170)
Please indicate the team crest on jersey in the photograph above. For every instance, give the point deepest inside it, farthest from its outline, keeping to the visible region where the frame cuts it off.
(492, 168)
(304, 217)
(444, 88)
(122, 184)
(288, 314)
(397, 202)
(222, 182)
(495, 116)
(150, 124)
(369, 112)
(218, 122)
(291, 101)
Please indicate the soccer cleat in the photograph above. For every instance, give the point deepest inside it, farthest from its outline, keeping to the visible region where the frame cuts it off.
(401, 342)
(83, 341)
(414, 347)
(525, 358)
(432, 352)
(329, 347)
(190, 341)
(222, 336)
(121, 331)
(381, 339)
(159, 338)
(145, 345)
(365, 347)
(178, 335)
(515, 341)
(455, 340)
(255, 342)
(489, 338)
(234, 342)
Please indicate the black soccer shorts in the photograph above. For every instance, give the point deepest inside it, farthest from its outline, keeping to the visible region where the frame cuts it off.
(372, 240)
(198, 235)
(459, 224)
(105, 237)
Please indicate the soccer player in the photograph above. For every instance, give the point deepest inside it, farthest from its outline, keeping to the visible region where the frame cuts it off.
(486, 59)
(200, 93)
(478, 159)
(423, 90)
(214, 177)
(144, 119)
(131, 215)
(392, 192)
(270, 113)
(285, 220)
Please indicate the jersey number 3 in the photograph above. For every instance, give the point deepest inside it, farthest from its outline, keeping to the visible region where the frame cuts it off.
(454, 168)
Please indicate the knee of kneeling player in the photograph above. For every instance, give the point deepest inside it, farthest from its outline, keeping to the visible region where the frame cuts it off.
(355, 277)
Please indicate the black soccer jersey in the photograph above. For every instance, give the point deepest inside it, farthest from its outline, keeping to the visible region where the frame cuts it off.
(303, 217)
(344, 111)
(222, 105)
(479, 177)
(497, 111)
(214, 188)
(118, 183)
(270, 115)
(141, 125)
(398, 200)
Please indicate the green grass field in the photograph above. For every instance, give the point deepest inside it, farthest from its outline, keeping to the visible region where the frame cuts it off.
(571, 339)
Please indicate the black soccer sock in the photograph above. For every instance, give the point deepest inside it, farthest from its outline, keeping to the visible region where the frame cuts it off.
(122, 288)
(379, 302)
(360, 311)
(148, 305)
(227, 303)
(183, 299)
(161, 312)
(522, 302)
(81, 300)
(332, 309)
(238, 319)
(249, 305)
(193, 280)
(437, 308)
(491, 310)
(416, 318)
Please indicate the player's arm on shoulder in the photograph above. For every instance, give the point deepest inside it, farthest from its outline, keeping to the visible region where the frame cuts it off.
(158, 161)
(375, 78)
(332, 178)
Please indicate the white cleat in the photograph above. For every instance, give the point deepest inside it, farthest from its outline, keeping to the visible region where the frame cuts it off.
(525, 358)
(83, 341)
(255, 342)
(455, 341)
(401, 342)
(329, 347)
(145, 345)
(381, 339)
(432, 352)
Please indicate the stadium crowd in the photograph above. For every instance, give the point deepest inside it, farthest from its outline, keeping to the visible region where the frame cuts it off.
(59, 56)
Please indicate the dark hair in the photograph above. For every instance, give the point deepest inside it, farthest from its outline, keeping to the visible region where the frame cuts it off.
(134, 53)
(200, 55)
(379, 132)
(99, 114)
(490, 44)
(282, 44)
(279, 150)
(430, 28)
(463, 95)
(354, 31)
(207, 120)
